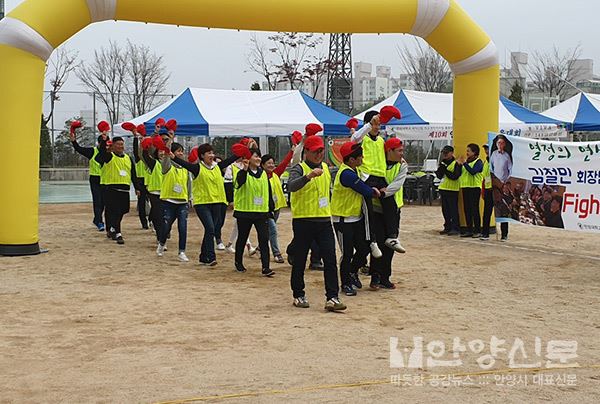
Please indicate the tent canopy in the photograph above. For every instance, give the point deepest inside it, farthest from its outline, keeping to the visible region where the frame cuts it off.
(581, 112)
(428, 116)
(207, 112)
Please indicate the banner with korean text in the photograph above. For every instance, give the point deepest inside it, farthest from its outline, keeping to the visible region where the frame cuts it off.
(546, 183)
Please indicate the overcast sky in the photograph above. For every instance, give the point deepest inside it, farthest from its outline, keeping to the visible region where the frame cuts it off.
(197, 57)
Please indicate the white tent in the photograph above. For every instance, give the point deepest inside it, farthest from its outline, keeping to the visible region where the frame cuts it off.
(223, 113)
(581, 112)
(428, 116)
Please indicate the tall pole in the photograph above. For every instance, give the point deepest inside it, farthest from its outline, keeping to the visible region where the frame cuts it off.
(1, 9)
(339, 77)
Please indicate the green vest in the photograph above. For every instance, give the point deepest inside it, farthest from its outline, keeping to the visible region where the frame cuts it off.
(447, 184)
(373, 156)
(253, 196)
(390, 175)
(313, 199)
(117, 171)
(277, 191)
(140, 170)
(155, 178)
(471, 181)
(95, 167)
(174, 184)
(209, 187)
(345, 202)
(487, 176)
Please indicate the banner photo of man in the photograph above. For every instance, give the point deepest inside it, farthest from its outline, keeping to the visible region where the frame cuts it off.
(546, 183)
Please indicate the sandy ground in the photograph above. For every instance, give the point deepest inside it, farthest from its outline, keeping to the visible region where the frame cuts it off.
(91, 321)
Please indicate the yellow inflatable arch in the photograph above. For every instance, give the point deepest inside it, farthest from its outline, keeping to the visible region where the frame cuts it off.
(30, 33)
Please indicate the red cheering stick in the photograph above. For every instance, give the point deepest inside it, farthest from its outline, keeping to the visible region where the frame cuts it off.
(158, 144)
(128, 126)
(352, 123)
(388, 112)
(241, 151)
(171, 125)
(296, 138)
(160, 122)
(312, 129)
(141, 129)
(103, 126)
(146, 143)
(75, 125)
(193, 156)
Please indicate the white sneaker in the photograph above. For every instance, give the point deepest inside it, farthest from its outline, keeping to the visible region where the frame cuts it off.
(230, 248)
(395, 245)
(221, 247)
(160, 250)
(375, 251)
(182, 257)
(251, 250)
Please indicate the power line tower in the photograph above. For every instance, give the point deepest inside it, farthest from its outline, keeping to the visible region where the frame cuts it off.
(339, 77)
(1, 9)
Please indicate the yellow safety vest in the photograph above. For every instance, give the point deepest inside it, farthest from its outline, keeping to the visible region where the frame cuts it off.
(174, 184)
(313, 199)
(373, 156)
(447, 184)
(253, 196)
(345, 202)
(140, 170)
(471, 181)
(209, 187)
(117, 171)
(95, 167)
(390, 175)
(277, 191)
(487, 176)
(155, 178)
(234, 172)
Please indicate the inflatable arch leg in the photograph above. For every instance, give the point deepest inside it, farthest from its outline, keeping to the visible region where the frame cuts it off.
(30, 33)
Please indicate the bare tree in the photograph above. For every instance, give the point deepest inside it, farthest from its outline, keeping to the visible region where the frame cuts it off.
(552, 72)
(106, 78)
(146, 79)
(427, 69)
(62, 63)
(291, 57)
(259, 61)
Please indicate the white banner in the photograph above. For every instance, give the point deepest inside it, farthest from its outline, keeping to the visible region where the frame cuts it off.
(444, 132)
(546, 183)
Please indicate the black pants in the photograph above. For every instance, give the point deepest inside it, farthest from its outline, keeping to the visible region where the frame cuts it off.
(305, 232)
(382, 267)
(156, 214)
(355, 249)
(117, 205)
(262, 231)
(315, 253)
(450, 210)
(471, 198)
(141, 203)
(388, 206)
(488, 207)
(97, 199)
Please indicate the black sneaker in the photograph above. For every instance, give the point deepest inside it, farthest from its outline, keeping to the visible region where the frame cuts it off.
(374, 285)
(386, 284)
(356, 281)
(120, 240)
(464, 235)
(240, 267)
(316, 266)
(444, 232)
(348, 290)
(453, 233)
(268, 272)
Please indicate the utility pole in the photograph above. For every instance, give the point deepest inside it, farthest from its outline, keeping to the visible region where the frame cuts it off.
(339, 77)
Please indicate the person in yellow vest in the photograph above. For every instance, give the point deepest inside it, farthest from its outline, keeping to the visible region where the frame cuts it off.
(349, 222)
(310, 186)
(208, 194)
(116, 176)
(396, 171)
(274, 174)
(229, 176)
(175, 194)
(373, 172)
(253, 205)
(140, 168)
(449, 172)
(471, 180)
(94, 175)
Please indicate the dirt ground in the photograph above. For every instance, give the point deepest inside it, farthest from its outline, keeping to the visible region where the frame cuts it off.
(91, 321)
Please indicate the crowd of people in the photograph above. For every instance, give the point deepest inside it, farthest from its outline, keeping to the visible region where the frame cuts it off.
(360, 208)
